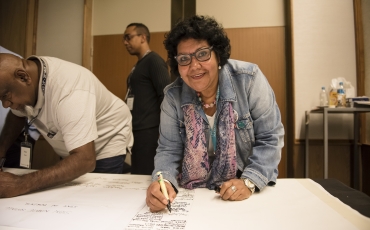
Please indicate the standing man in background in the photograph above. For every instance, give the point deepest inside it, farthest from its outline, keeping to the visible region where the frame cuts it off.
(144, 96)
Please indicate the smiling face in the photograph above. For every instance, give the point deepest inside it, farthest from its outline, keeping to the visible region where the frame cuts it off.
(16, 89)
(200, 76)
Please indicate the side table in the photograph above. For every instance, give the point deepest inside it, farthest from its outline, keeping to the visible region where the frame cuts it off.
(325, 111)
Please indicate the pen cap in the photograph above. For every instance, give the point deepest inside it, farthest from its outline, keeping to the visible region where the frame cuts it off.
(159, 176)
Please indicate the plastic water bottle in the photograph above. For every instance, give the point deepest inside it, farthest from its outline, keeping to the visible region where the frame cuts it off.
(323, 97)
(341, 95)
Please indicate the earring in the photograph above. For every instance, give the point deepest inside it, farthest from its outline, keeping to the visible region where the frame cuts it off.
(219, 67)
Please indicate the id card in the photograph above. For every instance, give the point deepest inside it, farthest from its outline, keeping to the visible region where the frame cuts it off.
(130, 102)
(26, 155)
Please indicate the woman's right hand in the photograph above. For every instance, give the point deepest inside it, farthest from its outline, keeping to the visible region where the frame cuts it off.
(155, 199)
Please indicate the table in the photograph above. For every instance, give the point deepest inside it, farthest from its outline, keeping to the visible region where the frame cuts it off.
(352, 197)
(325, 111)
(112, 201)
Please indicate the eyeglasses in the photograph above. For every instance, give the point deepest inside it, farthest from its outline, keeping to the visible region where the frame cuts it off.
(128, 37)
(201, 55)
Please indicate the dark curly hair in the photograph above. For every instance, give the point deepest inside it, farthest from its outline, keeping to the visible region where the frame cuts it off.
(199, 28)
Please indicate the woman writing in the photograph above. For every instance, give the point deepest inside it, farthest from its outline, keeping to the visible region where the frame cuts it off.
(220, 124)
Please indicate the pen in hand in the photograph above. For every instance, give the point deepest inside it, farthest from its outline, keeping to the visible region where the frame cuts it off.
(2, 161)
(164, 190)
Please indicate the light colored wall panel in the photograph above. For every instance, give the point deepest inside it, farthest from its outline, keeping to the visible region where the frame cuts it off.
(366, 26)
(324, 48)
(60, 29)
(244, 13)
(112, 16)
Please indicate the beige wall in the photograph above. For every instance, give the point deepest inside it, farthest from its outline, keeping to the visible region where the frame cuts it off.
(324, 48)
(60, 29)
(244, 13)
(112, 16)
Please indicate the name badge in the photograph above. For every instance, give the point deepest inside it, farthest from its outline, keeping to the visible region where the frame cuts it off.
(130, 102)
(26, 155)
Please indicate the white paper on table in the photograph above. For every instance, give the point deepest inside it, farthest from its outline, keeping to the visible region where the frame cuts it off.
(109, 201)
(287, 205)
(93, 201)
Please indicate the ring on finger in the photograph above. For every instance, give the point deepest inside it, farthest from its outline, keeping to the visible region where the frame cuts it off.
(233, 188)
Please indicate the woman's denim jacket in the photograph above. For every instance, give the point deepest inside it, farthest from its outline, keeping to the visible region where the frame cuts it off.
(258, 129)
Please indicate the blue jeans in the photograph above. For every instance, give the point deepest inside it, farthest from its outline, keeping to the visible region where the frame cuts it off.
(110, 165)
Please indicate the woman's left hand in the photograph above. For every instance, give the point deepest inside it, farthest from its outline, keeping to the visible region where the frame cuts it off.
(234, 190)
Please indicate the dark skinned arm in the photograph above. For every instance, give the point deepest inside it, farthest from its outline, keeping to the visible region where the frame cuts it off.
(12, 128)
(81, 160)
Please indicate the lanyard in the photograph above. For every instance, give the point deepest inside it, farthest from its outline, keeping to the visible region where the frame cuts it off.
(214, 128)
(27, 126)
(43, 84)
